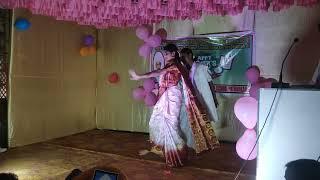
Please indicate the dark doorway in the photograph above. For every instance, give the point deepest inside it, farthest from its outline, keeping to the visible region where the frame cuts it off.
(5, 39)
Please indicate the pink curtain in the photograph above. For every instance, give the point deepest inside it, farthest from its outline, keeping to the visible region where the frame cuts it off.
(126, 13)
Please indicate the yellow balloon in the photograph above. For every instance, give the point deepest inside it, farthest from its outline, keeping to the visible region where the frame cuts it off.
(84, 51)
(92, 50)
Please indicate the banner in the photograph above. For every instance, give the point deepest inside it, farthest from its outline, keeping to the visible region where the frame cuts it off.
(227, 55)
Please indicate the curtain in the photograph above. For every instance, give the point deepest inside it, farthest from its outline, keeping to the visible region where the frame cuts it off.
(52, 88)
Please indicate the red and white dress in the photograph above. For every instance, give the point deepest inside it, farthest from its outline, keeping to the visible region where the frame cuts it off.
(164, 128)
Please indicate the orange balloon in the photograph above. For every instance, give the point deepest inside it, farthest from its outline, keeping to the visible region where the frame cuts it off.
(84, 51)
(92, 50)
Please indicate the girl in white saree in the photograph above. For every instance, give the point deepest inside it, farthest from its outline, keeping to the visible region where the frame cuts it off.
(164, 127)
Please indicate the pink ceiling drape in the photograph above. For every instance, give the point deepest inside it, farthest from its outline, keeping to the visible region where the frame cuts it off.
(126, 13)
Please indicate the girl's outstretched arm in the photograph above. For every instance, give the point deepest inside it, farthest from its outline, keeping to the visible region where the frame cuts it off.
(156, 73)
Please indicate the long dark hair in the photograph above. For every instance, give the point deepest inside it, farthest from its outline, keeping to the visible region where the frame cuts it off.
(177, 61)
(173, 49)
(189, 52)
(184, 72)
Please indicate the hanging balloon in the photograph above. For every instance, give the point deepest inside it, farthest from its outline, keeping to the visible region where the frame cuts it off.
(245, 145)
(145, 50)
(150, 99)
(261, 79)
(246, 110)
(113, 78)
(156, 86)
(142, 32)
(262, 83)
(162, 33)
(253, 74)
(22, 24)
(88, 40)
(254, 89)
(92, 50)
(154, 41)
(267, 83)
(149, 84)
(138, 93)
(84, 51)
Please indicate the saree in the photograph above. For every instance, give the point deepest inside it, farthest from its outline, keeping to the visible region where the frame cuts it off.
(164, 127)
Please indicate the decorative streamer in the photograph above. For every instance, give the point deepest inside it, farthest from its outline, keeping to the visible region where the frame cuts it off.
(132, 13)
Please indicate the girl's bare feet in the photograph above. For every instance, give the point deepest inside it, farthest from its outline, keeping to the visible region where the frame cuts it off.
(143, 152)
(156, 151)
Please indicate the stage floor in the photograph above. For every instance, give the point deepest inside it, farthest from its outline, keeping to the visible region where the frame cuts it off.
(56, 158)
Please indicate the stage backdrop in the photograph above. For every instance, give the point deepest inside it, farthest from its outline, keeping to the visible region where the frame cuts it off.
(227, 55)
(116, 109)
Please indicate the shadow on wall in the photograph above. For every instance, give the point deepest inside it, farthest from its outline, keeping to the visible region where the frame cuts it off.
(303, 169)
(305, 56)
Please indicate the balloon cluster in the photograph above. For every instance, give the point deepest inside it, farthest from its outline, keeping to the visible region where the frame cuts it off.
(89, 48)
(146, 93)
(257, 81)
(22, 24)
(150, 41)
(246, 110)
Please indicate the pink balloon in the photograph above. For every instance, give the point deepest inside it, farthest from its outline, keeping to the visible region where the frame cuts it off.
(253, 74)
(145, 50)
(154, 41)
(149, 85)
(156, 86)
(246, 110)
(254, 89)
(162, 33)
(261, 79)
(272, 80)
(142, 32)
(267, 83)
(245, 144)
(150, 99)
(138, 93)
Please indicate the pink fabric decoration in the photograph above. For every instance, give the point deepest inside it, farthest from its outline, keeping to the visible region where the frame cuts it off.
(246, 110)
(253, 74)
(246, 143)
(154, 41)
(150, 99)
(145, 50)
(138, 93)
(142, 32)
(149, 85)
(162, 33)
(127, 13)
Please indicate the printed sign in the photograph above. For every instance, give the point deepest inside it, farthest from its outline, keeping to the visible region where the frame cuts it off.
(227, 56)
